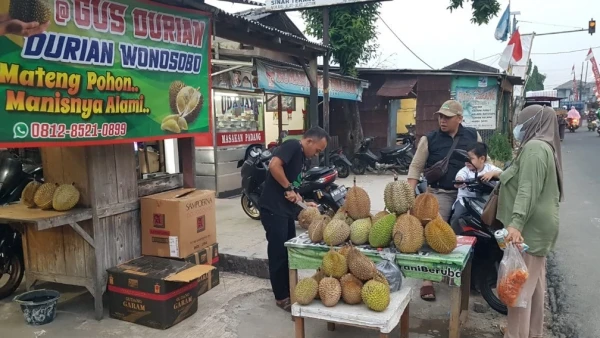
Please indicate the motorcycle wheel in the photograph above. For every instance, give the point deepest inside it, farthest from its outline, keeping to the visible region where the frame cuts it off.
(15, 276)
(487, 283)
(358, 167)
(342, 169)
(249, 208)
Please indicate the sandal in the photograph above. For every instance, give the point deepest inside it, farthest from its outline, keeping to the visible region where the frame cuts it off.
(428, 293)
(285, 305)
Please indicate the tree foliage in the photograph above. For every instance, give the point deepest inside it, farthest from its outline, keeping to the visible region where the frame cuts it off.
(500, 148)
(483, 10)
(536, 80)
(352, 33)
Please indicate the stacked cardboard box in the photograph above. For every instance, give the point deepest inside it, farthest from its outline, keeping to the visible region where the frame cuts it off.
(179, 244)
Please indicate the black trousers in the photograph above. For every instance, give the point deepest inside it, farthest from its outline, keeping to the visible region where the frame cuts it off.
(279, 229)
(561, 131)
(459, 211)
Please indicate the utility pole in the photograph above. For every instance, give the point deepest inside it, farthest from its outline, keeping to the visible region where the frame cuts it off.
(580, 84)
(326, 79)
(587, 65)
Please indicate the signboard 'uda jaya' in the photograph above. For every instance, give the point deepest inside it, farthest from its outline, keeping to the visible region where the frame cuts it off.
(292, 5)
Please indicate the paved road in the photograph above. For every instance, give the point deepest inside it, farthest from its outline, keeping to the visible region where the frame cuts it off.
(577, 255)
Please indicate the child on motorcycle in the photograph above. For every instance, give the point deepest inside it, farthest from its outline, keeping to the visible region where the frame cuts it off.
(477, 167)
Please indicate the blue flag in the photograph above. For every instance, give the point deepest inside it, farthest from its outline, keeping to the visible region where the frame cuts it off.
(503, 26)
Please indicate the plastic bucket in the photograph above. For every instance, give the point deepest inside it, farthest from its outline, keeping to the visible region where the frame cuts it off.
(38, 306)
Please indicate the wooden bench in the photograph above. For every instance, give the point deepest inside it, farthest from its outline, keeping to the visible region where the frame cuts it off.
(358, 315)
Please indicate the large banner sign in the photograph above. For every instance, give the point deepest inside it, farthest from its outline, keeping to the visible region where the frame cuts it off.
(479, 106)
(102, 72)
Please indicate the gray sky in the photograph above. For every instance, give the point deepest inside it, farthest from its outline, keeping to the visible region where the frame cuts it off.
(441, 38)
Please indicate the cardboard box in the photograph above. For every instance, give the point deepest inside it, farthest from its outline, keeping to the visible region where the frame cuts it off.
(178, 223)
(207, 256)
(155, 292)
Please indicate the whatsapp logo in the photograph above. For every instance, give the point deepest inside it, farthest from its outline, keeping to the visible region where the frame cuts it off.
(20, 130)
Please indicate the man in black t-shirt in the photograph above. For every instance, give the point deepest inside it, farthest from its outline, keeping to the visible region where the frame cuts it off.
(277, 204)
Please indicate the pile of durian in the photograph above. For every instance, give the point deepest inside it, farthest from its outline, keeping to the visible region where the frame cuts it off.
(407, 222)
(348, 275)
(48, 196)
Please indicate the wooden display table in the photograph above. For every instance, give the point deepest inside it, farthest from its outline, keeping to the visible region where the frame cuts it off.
(453, 269)
(358, 315)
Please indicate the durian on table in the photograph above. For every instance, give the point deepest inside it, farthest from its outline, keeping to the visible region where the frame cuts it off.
(48, 196)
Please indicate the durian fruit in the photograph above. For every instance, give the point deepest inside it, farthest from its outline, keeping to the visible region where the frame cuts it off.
(29, 192)
(398, 196)
(182, 123)
(189, 102)
(315, 230)
(358, 203)
(174, 89)
(440, 236)
(350, 277)
(381, 278)
(65, 197)
(360, 265)
(345, 250)
(426, 207)
(318, 276)
(408, 234)
(342, 215)
(43, 195)
(351, 291)
(171, 125)
(376, 295)
(336, 232)
(359, 231)
(30, 10)
(381, 232)
(334, 264)
(379, 215)
(306, 290)
(307, 216)
(330, 291)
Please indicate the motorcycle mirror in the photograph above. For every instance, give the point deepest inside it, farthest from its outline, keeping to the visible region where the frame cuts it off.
(461, 155)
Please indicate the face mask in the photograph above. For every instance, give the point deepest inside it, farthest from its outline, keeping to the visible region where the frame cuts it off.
(518, 134)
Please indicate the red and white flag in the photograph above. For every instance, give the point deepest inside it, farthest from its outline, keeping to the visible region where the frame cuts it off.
(515, 57)
(590, 57)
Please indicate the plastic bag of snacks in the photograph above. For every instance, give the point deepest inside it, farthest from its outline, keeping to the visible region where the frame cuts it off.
(512, 276)
(391, 271)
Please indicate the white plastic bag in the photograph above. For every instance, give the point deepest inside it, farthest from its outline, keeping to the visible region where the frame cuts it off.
(512, 276)
(391, 271)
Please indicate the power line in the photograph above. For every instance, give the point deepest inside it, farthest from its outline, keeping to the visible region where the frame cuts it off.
(487, 57)
(566, 52)
(402, 42)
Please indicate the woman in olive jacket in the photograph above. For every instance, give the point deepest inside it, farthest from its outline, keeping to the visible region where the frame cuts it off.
(528, 207)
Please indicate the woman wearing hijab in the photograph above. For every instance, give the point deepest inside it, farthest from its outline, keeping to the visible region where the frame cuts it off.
(528, 207)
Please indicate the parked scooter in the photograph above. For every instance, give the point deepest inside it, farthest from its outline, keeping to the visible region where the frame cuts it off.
(14, 176)
(317, 183)
(486, 252)
(395, 158)
(340, 161)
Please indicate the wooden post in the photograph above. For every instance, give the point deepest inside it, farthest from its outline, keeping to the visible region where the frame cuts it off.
(314, 93)
(187, 158)
(326, 79)
(279, 119)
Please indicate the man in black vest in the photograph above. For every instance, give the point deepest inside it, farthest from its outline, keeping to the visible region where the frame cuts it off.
(433, 148)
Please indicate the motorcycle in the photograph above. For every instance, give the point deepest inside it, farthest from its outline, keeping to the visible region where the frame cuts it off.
(14, 176)
(395, 158)
(317, 183)
(486, 252)
(341, 162)
(572, 124)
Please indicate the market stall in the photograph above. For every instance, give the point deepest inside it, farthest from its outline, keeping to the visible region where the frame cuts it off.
(453, 269)
(112, 84)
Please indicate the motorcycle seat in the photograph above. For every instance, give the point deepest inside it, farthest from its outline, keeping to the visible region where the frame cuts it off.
(389, 150)
(316, 172)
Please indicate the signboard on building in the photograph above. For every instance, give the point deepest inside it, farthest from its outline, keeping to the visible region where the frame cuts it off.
(105, 72)
(479, 106)
(237, 79)
(287, 80)
(294, 5)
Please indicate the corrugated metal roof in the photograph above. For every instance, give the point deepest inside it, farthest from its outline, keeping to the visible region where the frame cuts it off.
(397, 88)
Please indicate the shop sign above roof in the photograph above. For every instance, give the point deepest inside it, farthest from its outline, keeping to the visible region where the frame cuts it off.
(293, 5)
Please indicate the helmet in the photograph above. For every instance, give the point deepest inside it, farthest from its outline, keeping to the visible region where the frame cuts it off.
(572, 107)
